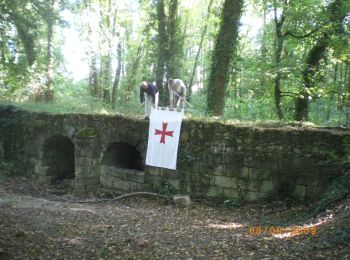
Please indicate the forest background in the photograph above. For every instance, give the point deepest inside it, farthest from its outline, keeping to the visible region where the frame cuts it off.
(252, 60)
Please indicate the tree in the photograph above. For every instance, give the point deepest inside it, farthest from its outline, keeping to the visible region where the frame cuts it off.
(117, 75)
(162, 51)
(222, 55)
(50, 19)
(278, 52)
(199, 51)
(336, 12)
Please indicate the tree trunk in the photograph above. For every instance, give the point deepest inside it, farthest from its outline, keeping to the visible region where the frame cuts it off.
(131, 82)
(93, 78)
(263, 49)
(223, 52)
(162, 45)
(117, 75)
(317, 53)
(278, 53)
(26, 38)
(172, 50)
(337, 11)
(106, 78)
(49, 65)
(198, 52)
(2, 46)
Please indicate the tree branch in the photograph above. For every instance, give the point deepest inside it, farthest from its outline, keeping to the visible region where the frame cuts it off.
(288, 94)
(289, 33)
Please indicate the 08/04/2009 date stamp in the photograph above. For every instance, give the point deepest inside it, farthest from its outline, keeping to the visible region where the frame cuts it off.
(288, 231)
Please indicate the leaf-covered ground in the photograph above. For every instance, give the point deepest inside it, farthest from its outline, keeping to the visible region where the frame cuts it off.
(34, 227)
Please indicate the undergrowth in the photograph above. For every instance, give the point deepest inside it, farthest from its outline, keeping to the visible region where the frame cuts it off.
(7, 169)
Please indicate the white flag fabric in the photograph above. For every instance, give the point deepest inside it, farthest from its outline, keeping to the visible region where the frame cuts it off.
(163, 138)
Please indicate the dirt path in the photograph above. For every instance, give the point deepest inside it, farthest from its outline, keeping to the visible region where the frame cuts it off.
(36, 228)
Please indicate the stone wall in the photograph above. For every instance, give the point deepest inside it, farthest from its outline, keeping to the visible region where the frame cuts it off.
(215, 159)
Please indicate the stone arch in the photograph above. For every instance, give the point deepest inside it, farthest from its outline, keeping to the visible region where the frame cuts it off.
(123, 155)
(58, 158)
(122, 168)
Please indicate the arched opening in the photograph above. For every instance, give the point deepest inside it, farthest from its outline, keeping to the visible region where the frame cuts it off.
(58, 155)
(123, 155)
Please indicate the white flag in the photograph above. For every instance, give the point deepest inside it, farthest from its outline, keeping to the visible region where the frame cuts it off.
(163, 138)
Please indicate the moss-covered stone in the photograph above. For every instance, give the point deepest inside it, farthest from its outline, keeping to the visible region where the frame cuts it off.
(215, 158)
(86, 133)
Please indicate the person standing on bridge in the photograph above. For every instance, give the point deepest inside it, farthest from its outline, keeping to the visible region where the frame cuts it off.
(177, 92)
(149, 95)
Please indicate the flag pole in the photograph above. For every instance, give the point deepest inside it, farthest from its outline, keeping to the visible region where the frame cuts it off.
(181, 97)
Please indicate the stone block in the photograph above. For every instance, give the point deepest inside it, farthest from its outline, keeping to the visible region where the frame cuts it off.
(134, 186)
(120, 184)
(219, 170)
(251, 162)
(41, 170)
(92, 189)
(285, 164)
(115, 172)
(299, 191)
(268, 164)
(267, 186)
(225, 182)
(82, 171)
(307, 180)
(155, 180)
(106, 179)
(254, 195)
(200, 167)
(84, 153)
(265, 174)
(169, 173)
(231, 193)
(83, 162)
(313, 192)
(182, 201)
(245, 171)
(250, 185)
(44, 179)
(214, 192)
(323, 170)
(134, 176)
(253, 174)
(174, 183)
(303, 166)
(2, 151)
(154, 171)
(79, 187)
(87, 181)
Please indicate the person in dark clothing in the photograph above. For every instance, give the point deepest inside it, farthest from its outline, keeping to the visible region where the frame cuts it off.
(149, 95)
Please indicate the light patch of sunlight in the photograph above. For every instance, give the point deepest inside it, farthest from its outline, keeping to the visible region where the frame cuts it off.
(80, 209)
(105, 112)
(293, 231)
(225, 226)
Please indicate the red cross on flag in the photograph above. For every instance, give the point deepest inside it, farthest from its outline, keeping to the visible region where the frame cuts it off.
(163, 138)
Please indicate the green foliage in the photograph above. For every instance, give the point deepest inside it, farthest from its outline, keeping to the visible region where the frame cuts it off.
(86, 133)
(165, 188)
(223, 201)
(337, 191)
(250, 90)
(7, 169)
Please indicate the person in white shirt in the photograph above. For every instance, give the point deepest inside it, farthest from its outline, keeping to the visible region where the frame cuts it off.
(177, 92)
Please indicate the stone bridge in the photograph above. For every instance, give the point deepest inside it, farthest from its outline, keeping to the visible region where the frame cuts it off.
(215, 159)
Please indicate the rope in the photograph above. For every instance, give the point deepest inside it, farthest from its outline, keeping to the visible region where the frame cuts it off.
(181, 97)
(46, 194)
(113, 199)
